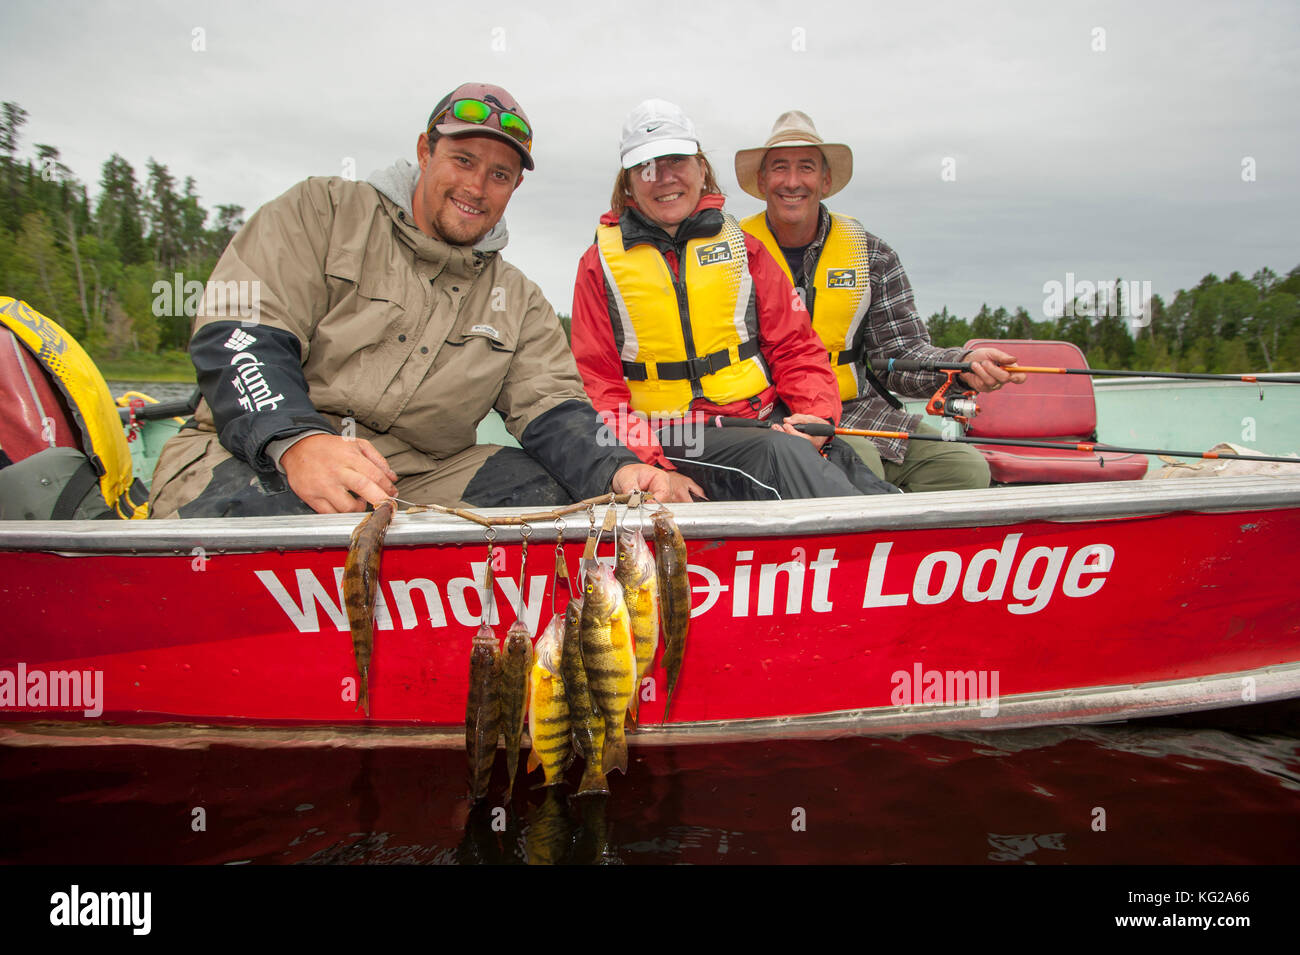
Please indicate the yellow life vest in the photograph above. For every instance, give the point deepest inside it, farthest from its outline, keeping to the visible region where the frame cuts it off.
(76, 376)
(680, 340)
(841, 292)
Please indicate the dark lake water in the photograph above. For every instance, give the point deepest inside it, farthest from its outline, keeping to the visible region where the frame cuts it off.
(1141, 793)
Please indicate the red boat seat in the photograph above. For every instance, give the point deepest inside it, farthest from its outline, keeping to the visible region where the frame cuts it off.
(1057, 408)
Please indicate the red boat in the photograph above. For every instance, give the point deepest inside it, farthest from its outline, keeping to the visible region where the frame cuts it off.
(1006, 607)
(998, 608)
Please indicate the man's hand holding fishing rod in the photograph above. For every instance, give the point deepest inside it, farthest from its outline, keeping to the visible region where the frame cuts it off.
(986, 372)
(983, 372)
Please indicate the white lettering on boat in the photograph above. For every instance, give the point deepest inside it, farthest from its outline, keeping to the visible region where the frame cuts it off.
(462, 599)
(34, 688)
(794, 573)
(938, 574)
(1027, 581)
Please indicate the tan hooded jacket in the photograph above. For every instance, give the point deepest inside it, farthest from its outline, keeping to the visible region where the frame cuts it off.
(350, 312)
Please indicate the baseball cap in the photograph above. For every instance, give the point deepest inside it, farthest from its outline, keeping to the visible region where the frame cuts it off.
(503, 120)
(657, 128)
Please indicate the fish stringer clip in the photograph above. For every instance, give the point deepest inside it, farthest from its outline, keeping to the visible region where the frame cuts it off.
(561, 571)
(525, 532)
(488, 577)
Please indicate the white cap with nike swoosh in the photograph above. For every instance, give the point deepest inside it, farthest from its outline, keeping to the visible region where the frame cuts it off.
(657, 128)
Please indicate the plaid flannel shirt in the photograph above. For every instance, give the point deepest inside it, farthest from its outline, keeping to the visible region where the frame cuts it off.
(893, 329)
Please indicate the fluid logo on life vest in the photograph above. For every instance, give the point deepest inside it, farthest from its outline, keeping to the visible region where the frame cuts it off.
(841, 278)
(48, 332)
(713, 253)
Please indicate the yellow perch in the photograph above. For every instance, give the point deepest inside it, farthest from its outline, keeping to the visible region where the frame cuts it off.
(635, 572)
(516, 662)
(548, 709)
(609, 658)
(483, 710)
(585, 717)
(674, 596)
(360, 586)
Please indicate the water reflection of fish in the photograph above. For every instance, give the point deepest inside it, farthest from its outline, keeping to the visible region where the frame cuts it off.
(550, 831)
(360, 587)
(591, 841)
(483, 709)
(586, 719)
(516, 662)
(609, 658)
(636, 574)
(481, 843)
(549, 726)
(674, 596)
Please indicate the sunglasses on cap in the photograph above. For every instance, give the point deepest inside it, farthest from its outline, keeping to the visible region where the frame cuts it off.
(478, 112)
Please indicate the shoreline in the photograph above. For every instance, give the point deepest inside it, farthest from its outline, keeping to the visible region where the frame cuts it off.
(137, 369)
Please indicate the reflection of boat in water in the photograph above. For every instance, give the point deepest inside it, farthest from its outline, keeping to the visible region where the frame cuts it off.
(1011, 606)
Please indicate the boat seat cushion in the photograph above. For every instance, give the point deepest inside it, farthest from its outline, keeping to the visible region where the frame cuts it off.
(1046, 407)
(1054, 466)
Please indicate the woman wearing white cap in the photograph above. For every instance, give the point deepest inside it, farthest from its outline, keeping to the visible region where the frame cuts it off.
(679, 315)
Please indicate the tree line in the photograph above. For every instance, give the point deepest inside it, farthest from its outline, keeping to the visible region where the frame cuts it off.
(93, 267)
(1220, 326)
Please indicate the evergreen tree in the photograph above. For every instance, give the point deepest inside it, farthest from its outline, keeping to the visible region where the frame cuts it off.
(192, 216)
(118, 215)
(12, 119)
(162, 212)
(230, 219)
(1020, 325)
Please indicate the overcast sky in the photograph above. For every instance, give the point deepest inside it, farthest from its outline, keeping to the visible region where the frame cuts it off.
(1103, 139)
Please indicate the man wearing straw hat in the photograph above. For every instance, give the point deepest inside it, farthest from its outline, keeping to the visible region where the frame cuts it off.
(860, 304)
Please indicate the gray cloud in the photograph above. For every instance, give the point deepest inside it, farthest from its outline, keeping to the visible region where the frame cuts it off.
(1123, 162)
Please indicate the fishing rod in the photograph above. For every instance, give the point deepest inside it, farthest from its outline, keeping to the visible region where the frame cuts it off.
(898, 364)
(172, 408)
(826, 431)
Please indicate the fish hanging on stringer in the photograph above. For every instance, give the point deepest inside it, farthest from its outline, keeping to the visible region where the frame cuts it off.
(483, 706)
(516, 664)
(361, 587)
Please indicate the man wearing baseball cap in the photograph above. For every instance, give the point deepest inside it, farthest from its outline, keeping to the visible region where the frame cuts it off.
(385, 326)
(860, 303)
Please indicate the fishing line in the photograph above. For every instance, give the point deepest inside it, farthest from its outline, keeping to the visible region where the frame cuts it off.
(723, 467)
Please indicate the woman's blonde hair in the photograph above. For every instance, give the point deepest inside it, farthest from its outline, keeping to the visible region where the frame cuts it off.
(623, 185)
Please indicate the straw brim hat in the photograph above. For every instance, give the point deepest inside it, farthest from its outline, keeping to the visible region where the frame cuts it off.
(794, 128)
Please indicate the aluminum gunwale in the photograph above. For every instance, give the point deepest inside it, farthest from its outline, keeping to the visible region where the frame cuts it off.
(803, 518)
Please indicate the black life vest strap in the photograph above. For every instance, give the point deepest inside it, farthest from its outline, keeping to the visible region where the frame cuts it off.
(693, 369)
(83, 480)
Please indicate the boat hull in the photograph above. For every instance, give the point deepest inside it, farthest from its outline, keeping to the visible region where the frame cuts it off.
(979, 609)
